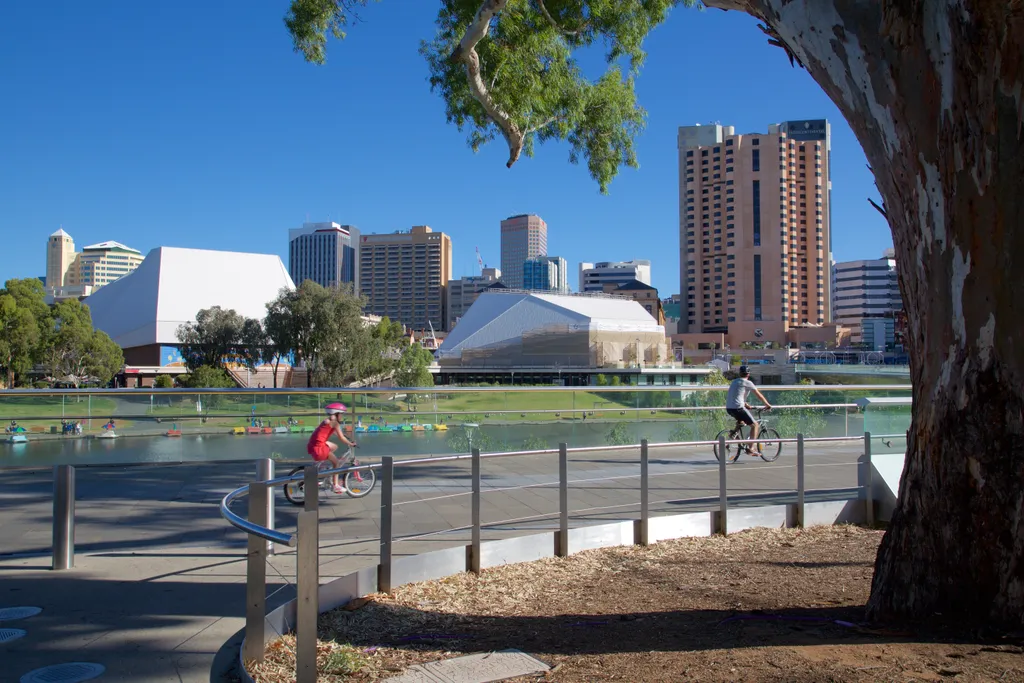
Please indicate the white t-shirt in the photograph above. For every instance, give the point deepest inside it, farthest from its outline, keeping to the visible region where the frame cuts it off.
(738, 390)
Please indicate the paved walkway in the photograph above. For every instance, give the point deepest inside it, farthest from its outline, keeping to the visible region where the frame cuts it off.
(158, 583)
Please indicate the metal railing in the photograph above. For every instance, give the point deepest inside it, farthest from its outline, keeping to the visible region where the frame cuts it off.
(261, 534)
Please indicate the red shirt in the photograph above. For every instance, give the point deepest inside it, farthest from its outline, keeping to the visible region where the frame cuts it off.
(321, 433)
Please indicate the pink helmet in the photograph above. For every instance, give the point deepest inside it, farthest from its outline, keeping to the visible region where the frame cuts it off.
(335, 408)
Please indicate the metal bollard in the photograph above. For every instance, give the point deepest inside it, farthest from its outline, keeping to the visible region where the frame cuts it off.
(563, 502)
(474, 556)
(63, 517)
(307, 604)
(723, 495)
(645, 491)
(310, 488)
(387, 483)
(265, 472)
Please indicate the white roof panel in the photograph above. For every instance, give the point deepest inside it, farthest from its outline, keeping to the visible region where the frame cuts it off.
(172, 285)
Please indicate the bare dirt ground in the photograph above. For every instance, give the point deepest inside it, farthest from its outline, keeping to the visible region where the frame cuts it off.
(762, 605)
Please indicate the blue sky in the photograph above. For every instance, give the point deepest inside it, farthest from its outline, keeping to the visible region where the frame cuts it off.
(194, 124)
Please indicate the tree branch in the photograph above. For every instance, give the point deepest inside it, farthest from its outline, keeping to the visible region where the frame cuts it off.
(466, 53)
(551, 19)
(878, 208)
(547, 122)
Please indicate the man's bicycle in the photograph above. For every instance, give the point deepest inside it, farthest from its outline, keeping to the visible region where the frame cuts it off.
(768, 445)
(357, 483)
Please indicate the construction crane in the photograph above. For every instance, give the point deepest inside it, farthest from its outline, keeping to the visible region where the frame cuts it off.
(479, 261)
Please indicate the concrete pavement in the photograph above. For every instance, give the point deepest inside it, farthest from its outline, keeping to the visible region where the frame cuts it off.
(158, 585)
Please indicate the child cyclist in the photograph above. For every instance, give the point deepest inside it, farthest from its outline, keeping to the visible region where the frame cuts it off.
(321, 449)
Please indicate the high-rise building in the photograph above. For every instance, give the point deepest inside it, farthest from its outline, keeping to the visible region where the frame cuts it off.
(866, 297)
(324, 253)
(523, 237)
(546, 274)
(754, 230)
(464, 291)
(60, 257)
(594, 276)
(404, 275)
(71, 274)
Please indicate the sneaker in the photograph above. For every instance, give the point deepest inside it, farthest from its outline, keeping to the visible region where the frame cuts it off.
(340, 489)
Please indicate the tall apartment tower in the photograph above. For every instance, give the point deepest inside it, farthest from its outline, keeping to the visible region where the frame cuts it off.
(754, 230)
(60, 258)
(324, 253)
(523, 237)
(404, 275)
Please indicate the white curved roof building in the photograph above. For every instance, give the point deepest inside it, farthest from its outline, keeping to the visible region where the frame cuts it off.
(142, 310)
(536, 329)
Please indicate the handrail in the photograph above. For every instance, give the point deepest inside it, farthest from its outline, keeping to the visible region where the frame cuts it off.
(289, 540)
(442, 389)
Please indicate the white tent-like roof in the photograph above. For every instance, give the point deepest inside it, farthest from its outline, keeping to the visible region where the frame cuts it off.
(172, 285)
(497, 318)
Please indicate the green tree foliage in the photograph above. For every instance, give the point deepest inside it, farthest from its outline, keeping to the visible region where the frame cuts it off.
(163, 382)
(413, 367)
(19, 338)
(72, 351)
(209, 377)
(31, 296)
(213, 338)
(508, 68)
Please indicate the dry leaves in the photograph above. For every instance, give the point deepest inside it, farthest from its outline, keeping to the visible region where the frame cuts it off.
(761, 605)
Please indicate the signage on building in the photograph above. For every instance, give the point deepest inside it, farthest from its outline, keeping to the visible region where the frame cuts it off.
(813, 129)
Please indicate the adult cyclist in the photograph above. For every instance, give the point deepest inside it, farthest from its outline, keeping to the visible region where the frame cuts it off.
(737, 407)
(320, 448)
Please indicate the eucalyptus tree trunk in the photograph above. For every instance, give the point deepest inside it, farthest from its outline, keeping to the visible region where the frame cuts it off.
(934, 91)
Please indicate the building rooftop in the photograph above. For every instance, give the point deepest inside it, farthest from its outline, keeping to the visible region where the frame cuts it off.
(60, 233)
(110, 246)
(632, 285)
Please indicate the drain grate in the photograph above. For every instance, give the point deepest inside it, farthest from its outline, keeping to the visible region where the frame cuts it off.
(9, 634)
(72, 672)
(14, 613)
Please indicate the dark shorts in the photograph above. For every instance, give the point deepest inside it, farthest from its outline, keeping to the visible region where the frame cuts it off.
(741, 415)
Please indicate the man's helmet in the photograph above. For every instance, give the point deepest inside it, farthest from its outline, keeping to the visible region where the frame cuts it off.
(335, 409)
(744, 371)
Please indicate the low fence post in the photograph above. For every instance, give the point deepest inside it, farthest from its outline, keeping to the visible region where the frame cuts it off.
(563, 502)
(63, 517)
(256, 576)
(308, 603)
(645, 491)
(474, 553)
(387, 483)
(310, 488)
(800, 481)
(723, 495)
(265, 472)
(869, 488)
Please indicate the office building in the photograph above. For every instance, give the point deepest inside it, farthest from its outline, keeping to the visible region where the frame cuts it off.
(71, 274)
(546, 274)
(754, 232)
(594, 276)
(523, 237)
(324, 253)
(464, 291)
(643, 294)
(866, 295)
(404, 275)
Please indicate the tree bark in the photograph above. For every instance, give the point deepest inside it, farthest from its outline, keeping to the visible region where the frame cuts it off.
(934, 91)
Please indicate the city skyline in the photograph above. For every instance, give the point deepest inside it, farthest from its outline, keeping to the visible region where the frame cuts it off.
(230, 157)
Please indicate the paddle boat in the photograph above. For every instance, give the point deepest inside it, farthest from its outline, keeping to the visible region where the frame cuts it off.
(173, 431)
(238, 430)
(418, 428)
(374, 428)
(442, 427)
(253, 430)
(109, 434)
(281, 430)
(428, 427)
(16, 438)
(404, 428)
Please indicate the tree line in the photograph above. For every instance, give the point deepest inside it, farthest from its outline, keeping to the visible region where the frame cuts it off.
(323, 326)
(58, 338)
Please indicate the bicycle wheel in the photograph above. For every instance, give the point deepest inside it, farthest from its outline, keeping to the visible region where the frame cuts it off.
(730, 448)
(359, 483)
(294, 491)
(770, 444)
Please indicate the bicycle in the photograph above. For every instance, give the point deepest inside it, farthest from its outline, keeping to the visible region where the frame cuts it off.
(768, 445)
(358, 483)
